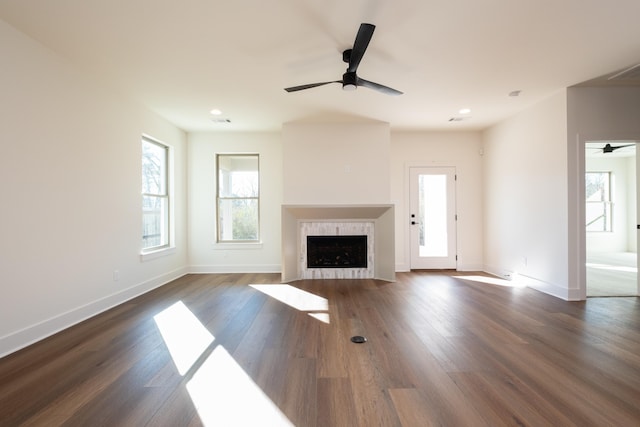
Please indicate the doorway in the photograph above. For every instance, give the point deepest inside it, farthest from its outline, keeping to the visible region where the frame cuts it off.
(610, 218)
(432, 217)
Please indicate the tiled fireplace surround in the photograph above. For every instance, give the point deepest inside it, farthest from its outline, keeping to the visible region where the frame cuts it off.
(375, 221)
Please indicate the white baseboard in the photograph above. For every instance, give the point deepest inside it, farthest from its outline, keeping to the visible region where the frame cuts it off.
(213, 269)
(533, 283)
(545, 287)
(470, 267)
(32, 334)
(402, 267)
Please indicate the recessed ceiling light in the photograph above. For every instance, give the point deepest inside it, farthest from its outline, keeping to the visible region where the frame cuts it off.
(465, 110)
(215, 112)
(515, 93)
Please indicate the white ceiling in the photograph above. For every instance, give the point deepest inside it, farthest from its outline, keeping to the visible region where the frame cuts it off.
(183, 58)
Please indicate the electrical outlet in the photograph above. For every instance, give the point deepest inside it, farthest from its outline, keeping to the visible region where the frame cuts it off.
(116, 275)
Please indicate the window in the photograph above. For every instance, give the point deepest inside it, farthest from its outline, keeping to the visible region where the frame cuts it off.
(598, 198)
(155, 195)
(238, 198)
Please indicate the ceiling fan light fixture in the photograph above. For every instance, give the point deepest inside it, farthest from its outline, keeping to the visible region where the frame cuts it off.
(349, 81)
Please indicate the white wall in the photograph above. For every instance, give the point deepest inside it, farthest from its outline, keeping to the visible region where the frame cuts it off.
(460, 150)
(205, 255)
(71, 206)
(525, 208)
(336, 163)
(616, 240)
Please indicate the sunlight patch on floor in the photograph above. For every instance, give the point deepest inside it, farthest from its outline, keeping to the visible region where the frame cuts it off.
(221, 391)
(185, 336)
(613, 267)
(323, 317)
(515, 283)
(316, 306)
(224, 395)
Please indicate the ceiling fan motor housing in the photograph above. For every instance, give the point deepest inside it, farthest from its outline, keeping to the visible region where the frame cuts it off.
(349, 81)
(346, 55)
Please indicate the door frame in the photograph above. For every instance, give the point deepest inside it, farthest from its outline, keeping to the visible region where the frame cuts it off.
(407, 219)
(577, 263)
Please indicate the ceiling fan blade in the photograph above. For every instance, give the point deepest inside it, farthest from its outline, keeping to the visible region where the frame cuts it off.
(360, 46)
(309, 86)
(378, 87)
(608, 148)
(615, 147)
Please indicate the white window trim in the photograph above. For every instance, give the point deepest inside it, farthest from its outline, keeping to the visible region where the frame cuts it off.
(147, 254)
(158, 253)
(610, 202)
(236, 244)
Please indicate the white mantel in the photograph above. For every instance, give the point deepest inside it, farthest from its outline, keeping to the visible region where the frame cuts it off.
(382, 217)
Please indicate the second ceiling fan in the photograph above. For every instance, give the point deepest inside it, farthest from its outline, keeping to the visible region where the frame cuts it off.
(353, 56)
(608, 148)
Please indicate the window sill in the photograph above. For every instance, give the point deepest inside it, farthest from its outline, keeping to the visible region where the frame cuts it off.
(148, 256)
(244, 245)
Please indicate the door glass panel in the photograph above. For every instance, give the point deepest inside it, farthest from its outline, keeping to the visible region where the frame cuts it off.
(432, 199)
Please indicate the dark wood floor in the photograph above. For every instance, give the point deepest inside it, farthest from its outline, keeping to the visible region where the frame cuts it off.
(441, 350)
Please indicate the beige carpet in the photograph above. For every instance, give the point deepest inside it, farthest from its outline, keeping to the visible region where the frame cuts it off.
(612, 274)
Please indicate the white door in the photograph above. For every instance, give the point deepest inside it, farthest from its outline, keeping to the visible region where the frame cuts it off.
(432, 217)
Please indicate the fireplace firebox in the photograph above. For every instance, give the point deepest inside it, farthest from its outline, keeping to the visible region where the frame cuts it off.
(337, 251)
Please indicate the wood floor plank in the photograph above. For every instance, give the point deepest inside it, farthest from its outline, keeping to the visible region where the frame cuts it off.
(414, 409)
(443, 349)
(335, 402)
(500, 401)
(583, 404)
(333, 347)
(299, 396)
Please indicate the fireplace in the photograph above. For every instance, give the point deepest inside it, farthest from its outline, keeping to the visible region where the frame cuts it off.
(337, 251)
(376, 222)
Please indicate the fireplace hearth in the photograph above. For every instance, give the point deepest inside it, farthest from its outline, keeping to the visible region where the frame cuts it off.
(337, 251)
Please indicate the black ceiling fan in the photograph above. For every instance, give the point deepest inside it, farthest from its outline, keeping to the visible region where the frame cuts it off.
(608, 148)
(353, 56)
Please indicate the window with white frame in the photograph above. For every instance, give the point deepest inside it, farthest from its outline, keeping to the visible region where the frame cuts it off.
(238, 198)
(155, 195)
(598, 201)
